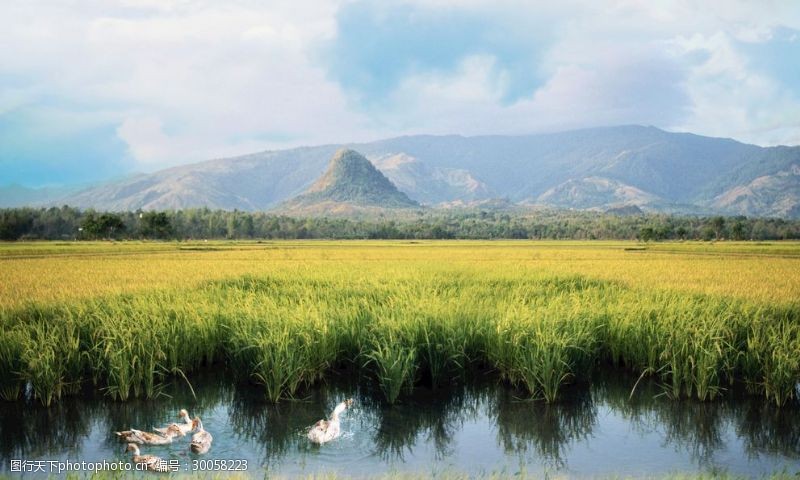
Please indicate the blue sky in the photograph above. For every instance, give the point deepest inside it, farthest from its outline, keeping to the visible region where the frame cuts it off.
(378, 46)
(101, 88)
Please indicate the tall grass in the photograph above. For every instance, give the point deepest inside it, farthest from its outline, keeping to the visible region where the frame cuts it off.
(395, 364)
(135, 340)
(545, 339)
(407, 322)
(283, 341)
(688, 341)
(11, 343)
(50, 359)
(771, 362)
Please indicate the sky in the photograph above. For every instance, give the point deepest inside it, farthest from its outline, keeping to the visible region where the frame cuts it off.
(96, 89)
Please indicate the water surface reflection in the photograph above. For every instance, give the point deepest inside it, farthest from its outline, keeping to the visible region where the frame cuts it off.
(473, 428)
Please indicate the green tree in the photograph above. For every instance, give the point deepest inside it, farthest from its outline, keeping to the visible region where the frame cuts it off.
(738, 230)
(247, 226)
(231, 226)
(155, 225)
(718, 223)
(106, 225)
(646, 234)
(15, 223)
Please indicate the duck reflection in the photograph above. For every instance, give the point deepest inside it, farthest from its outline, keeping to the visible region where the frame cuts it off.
(205, 393)
(280, 429)
(276, 427)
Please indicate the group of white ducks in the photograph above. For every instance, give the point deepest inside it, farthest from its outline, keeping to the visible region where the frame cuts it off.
(201, 440)
(321, 432)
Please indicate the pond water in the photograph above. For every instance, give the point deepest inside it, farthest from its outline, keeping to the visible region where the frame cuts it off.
(474, 429)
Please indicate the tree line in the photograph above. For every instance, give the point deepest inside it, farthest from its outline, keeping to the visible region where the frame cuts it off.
(68, 223)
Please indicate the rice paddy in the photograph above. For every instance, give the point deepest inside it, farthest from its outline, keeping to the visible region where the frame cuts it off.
(540, 316)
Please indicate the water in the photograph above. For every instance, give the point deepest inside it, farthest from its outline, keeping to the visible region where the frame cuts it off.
(478, 428)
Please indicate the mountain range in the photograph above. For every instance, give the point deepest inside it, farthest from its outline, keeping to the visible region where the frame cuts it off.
(598, 169)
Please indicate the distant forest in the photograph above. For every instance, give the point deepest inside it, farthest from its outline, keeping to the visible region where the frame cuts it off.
(67, 223)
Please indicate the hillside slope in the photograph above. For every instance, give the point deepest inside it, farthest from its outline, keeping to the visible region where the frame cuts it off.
(659, 170)
(350, 184)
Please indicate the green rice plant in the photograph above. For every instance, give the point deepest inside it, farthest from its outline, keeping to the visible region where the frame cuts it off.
(285, 315)
(129, 346)
(440, 348)
(442, 329)
(695, 347)
(691, 342)
(282, 345)
(395, 365)
(541, 345)
(50, 359)
(192, 322)
(41, 338)
(131, 365)
(136, 341)
(772, 360)
(279, 363)
(347, 326)
(633, 334)
(11, 342)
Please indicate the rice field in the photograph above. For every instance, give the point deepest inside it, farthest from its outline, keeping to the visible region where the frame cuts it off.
(540, 316)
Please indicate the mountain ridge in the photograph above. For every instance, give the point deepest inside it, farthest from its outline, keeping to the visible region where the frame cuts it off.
(677, 172)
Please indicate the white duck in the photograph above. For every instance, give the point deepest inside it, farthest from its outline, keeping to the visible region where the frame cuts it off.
(327, 430)
(154, 463)
(186, 426)
(201, 441)
(147, 438)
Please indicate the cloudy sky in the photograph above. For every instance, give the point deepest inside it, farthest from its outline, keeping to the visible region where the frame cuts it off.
(92, 89)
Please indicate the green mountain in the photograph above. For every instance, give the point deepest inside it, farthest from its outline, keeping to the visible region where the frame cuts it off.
(594, 192)
(431, 185)
(596, 168)
(776, 195)
(350, 184)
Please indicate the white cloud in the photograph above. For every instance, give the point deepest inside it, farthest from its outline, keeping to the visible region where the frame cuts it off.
(731, 100)
(619, 90)
(617, 63)
(146, 139)
(186, 80)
